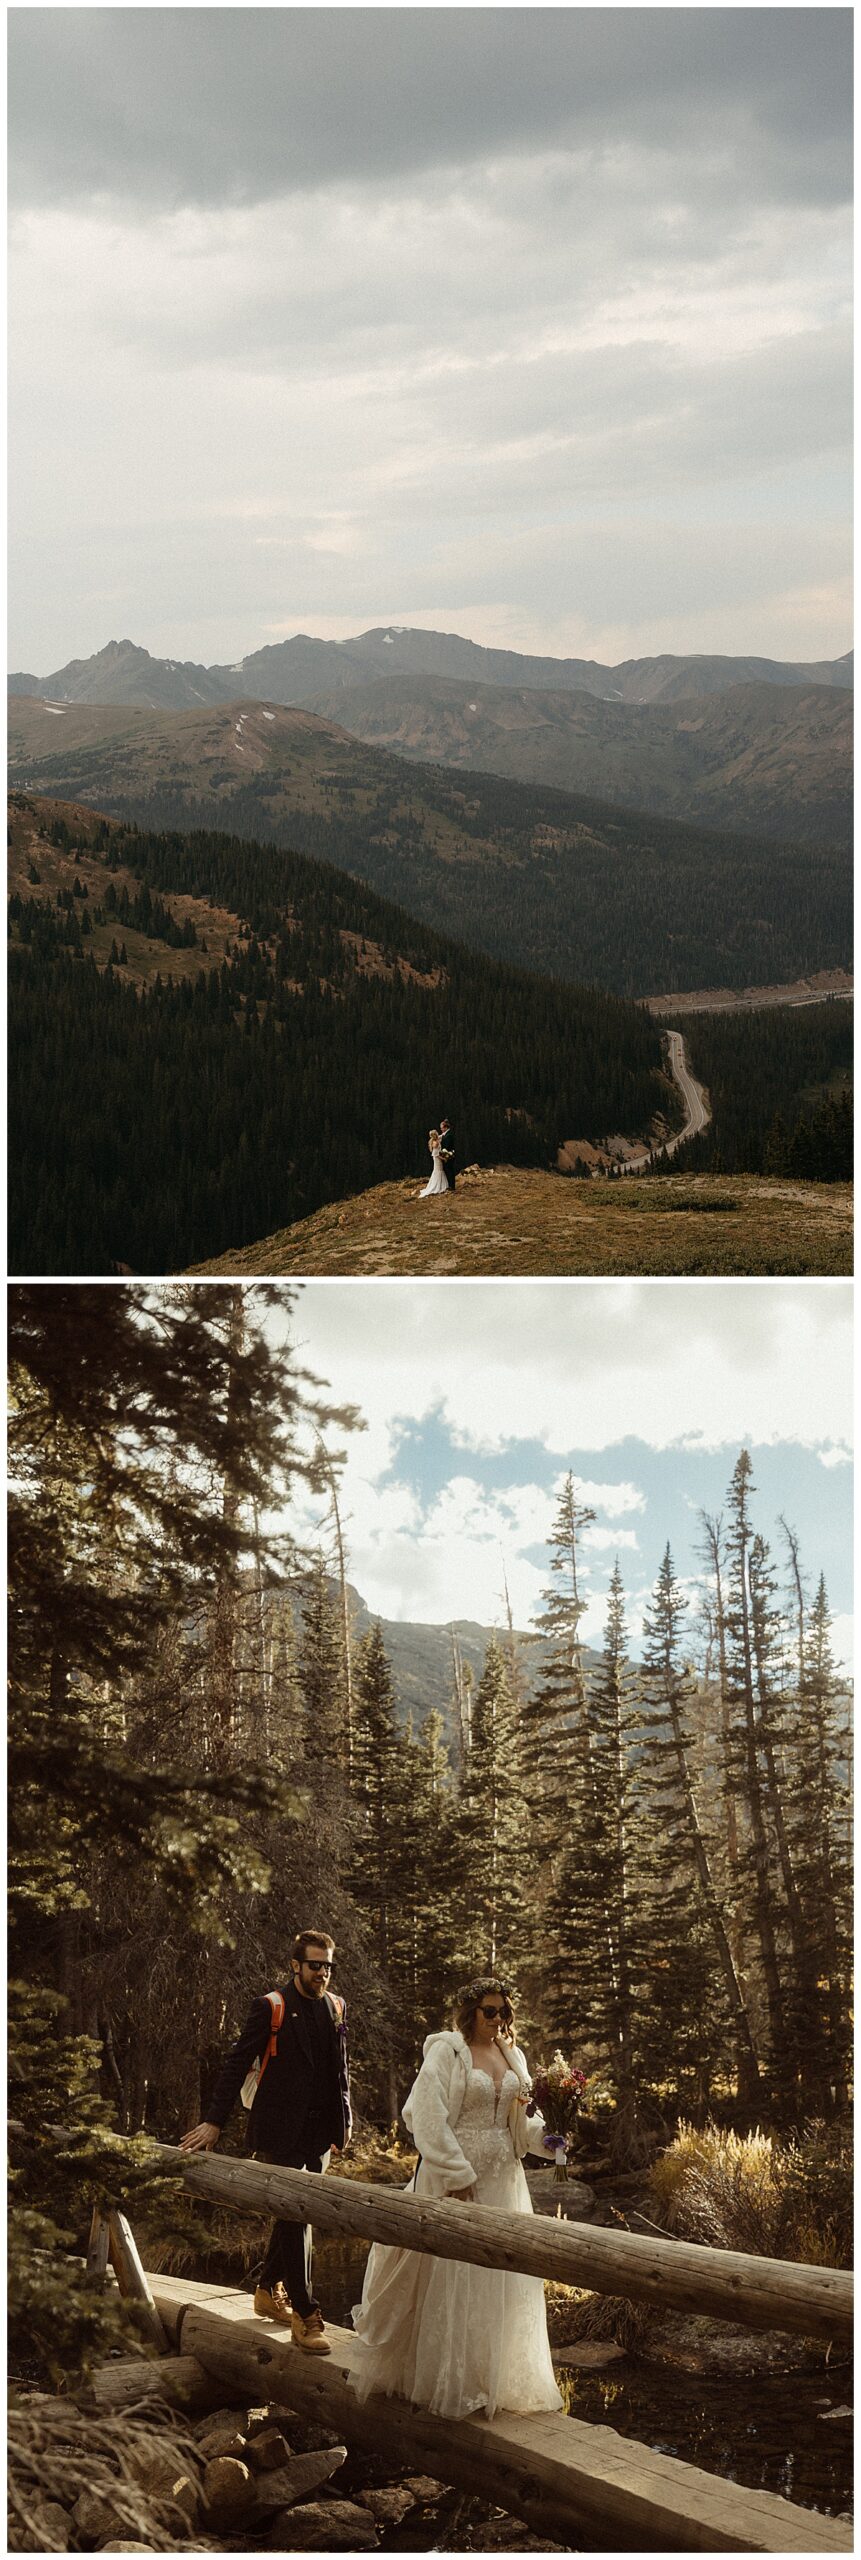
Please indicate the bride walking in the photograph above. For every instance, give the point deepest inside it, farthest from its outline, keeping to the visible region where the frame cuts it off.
(455, 2338)
(439, 1178)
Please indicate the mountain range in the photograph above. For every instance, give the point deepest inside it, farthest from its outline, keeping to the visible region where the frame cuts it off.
(747, 742)
(293, 671)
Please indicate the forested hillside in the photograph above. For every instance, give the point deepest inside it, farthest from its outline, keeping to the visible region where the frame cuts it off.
(562, 884)
(170, 1101)
(780, 1088)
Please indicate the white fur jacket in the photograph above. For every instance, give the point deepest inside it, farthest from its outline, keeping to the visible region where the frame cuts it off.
(432, 2109)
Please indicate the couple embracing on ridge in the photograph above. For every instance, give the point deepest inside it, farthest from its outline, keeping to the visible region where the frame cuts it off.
(451, 2337)
(442, 1155)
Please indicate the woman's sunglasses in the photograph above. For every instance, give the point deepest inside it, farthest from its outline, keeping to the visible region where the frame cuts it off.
(491, 2009)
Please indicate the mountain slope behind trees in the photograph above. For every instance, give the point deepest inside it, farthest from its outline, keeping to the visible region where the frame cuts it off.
(560, 883)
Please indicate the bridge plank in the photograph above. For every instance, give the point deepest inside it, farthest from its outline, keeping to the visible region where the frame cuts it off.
(560, 2474)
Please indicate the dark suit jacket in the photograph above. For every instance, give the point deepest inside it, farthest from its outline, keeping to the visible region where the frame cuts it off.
(294, 2090)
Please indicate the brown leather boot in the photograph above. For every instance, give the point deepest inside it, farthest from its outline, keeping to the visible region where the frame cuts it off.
(310, 2334)
(270, 2303)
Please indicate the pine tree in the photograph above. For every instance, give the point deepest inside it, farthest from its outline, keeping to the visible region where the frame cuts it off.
(806, 2055)
(683, 1927)
(597, 1926)
(748, 1771)
(493, 1827)
(437, 1882)
(819, 1745)
(123, 1403)
(377, 1793)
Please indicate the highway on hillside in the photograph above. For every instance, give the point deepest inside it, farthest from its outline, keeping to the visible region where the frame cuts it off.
(693, 1097)
(692, 1093)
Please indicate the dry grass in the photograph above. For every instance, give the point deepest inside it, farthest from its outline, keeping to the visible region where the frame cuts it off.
(57, 2450)
(507, 1222)
(751, 2192)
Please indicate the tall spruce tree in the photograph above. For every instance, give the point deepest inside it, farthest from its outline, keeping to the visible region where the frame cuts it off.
(596, 1924)
(819, 1745)
(749, 1775)
(493, 1827)
(438, 1881)
(689, 1973)
(124, 1406)
(558, 1741)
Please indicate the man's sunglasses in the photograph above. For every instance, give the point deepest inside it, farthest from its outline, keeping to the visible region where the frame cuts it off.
(491, 2010)
(317, 1964)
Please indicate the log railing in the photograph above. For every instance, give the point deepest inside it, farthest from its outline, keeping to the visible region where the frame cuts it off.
(758, 2293)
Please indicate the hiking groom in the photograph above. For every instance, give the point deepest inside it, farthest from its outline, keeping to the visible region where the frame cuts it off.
(300, 2112)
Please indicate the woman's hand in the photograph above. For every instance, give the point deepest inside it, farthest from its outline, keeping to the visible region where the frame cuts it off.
(463, 2195)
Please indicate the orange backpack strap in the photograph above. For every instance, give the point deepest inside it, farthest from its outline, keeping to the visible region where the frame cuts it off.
(336, 2006)
(276, 2004)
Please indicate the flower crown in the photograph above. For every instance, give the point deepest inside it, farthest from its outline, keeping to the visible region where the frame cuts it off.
(472, 1992)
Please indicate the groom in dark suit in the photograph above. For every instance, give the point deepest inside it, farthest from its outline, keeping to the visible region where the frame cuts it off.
(300, 2112)
(447, 1145)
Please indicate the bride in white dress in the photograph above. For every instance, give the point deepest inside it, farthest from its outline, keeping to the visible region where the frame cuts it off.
(455, 2338)
(439, 1178)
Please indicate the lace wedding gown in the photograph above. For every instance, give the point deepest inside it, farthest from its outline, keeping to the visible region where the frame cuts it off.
(439, 1178)
(451, 2337)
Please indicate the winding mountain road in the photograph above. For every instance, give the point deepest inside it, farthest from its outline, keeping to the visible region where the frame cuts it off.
(693, 1097)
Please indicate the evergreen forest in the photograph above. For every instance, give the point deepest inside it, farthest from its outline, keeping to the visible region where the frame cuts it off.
(161, 1121)
(780, 1086)
(654, 1852)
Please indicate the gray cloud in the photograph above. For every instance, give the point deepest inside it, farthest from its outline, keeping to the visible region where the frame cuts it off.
(533, 322)
(210, 106)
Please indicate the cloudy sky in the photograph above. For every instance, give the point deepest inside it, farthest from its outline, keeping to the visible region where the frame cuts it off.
(479, 1396)
(526, 323)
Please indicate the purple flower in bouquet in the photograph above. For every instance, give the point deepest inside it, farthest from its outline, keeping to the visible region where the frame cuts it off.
(558, 2090)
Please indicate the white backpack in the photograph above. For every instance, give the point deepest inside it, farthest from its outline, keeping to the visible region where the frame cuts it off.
(252, 2080)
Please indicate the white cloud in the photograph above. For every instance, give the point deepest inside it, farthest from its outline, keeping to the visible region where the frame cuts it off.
(569, 1366)
(843, 1641)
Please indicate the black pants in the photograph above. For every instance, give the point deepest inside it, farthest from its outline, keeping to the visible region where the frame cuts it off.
(289, 2247)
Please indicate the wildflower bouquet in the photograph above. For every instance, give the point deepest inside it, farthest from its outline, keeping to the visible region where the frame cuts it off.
(558, 2091)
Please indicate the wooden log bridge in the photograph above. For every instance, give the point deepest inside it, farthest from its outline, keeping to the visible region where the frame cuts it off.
(582, 2485)
(570, 2481)
(757, 2293)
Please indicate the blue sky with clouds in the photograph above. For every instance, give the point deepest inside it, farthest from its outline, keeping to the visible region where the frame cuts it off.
(478, 1398)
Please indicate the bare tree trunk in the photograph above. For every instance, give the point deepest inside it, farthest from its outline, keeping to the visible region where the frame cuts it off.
(222, 1681)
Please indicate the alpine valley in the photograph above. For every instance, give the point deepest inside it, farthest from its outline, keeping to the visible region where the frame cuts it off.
(285, 913)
